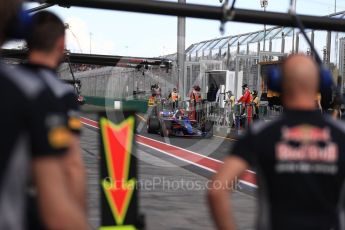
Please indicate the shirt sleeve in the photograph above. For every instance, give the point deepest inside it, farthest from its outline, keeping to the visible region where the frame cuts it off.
(256, 101)
(47, 127)
(72, 113)
(243, 148)
(244, 97)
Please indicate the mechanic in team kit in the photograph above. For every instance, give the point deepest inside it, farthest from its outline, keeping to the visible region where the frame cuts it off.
(246, 97)
(34, 139)
(229, 108)
(256, 104)
(300, 158)
(156, 91)
(152, 101)
(195, 99)
(174, 98)
(46, 45)
(246, 100)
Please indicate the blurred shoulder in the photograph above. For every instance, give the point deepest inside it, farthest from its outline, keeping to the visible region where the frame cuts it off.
(261, 126)
(59, 88)
(337, 124)
(24, 80)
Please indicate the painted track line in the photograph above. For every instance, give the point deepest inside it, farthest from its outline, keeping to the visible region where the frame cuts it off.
(141, 117)
(226, 138)
(179, 158)
(196, 159)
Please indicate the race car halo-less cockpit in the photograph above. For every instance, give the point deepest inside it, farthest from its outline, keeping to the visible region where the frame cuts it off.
(168, 122)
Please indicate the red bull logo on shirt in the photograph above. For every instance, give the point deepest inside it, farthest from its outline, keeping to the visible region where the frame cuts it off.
(306, 149)
(305, 133)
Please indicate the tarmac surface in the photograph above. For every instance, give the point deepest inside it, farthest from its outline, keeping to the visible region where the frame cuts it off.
(172, 194)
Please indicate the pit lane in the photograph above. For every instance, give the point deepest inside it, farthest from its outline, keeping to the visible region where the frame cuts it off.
(165, 208)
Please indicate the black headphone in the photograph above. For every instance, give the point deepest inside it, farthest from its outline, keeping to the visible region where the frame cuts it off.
(275, 77)
(19, 26)
(275, 74)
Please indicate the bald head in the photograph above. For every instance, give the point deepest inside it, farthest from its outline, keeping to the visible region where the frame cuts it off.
(301, 80)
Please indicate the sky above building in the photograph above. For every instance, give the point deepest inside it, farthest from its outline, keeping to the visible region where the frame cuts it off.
(133, 34)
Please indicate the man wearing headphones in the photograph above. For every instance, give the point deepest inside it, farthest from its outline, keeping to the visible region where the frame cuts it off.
(33, 140)
(300, 158)
(46, 44)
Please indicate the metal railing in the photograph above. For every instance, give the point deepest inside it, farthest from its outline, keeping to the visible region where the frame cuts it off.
(238, 116)
(235, 116)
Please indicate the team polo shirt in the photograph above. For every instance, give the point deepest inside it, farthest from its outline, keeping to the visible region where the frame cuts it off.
(63, 93)
(66, 104)
(300, 162)
(28, 130)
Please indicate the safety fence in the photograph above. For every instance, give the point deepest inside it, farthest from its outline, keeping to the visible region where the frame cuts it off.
(236, 116)
(241, 116)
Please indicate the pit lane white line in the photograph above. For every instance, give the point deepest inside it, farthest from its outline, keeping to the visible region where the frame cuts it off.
(179, 158)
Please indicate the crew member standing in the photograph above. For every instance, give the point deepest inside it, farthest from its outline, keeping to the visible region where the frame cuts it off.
(174, 97)
(318, 102)
(152, 100)
(33, 140)
(46, 45)
(246, 97)
(246, 100)
(256, 103)
(157, 91)
(300, 158)
(195, 99)
(229, 105)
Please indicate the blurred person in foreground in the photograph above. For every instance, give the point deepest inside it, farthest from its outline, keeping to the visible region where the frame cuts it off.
(300, 161)
(33, 139)
(46, 45)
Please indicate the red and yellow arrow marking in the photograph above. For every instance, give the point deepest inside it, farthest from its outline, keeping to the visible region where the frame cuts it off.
(118, 140)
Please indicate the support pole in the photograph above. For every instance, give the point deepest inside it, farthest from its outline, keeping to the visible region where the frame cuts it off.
(328, 48)
(181, 43)
(297, 43)
(293, 40)
(270, 45)
(283, 43)
(312, 39)
(228, 56)
(258, 50)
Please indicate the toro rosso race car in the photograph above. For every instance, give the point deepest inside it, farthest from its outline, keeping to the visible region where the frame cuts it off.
(177, 123)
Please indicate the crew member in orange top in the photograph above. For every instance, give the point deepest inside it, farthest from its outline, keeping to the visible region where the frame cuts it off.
(152, 100)
(195, 97)
(174, 97)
